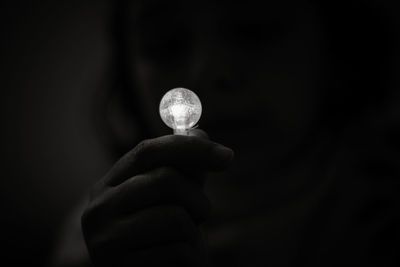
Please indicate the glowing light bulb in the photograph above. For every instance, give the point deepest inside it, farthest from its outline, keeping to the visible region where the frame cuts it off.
(180, 109)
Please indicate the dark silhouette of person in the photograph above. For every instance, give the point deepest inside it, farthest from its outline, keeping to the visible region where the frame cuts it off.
(295, 162)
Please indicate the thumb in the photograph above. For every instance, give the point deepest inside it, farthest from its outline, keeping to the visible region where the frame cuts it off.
(199, 133)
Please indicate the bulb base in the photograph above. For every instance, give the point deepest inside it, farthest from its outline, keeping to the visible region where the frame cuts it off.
(181, 131)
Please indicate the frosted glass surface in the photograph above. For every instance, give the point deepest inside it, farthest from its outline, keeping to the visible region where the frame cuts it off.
(180, 109)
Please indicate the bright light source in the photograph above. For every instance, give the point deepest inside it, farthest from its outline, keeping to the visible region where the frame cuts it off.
(180, 109)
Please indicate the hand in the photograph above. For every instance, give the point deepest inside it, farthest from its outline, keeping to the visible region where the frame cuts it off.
(146, 210)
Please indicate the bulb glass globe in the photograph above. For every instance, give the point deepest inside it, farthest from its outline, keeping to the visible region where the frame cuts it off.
(180, 109)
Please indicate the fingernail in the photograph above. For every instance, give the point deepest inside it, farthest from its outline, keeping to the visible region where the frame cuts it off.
(223, 154)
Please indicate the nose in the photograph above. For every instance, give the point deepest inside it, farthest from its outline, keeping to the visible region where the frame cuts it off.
(216, 68)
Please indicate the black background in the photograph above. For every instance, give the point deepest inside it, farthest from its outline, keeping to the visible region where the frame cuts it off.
(55, 57)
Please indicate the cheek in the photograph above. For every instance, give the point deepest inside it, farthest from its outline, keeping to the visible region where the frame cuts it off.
(288, 79)
(277, 86)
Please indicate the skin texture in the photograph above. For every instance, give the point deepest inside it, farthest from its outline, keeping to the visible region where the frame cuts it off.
(146, 210)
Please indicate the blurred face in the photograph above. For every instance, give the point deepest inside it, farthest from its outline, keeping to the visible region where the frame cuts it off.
(255, 68)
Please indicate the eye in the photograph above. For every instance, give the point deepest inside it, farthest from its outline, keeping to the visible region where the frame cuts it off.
(253, 34)
(165, 41)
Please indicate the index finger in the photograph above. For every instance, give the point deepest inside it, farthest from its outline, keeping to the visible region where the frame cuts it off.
(181, 152)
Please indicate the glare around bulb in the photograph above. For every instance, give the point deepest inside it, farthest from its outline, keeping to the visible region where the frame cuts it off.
(180, 109)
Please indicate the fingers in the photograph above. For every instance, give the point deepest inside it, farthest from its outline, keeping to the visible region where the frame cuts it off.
(199, 133)
(182, 152)
(161, 186)
(146, 210)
